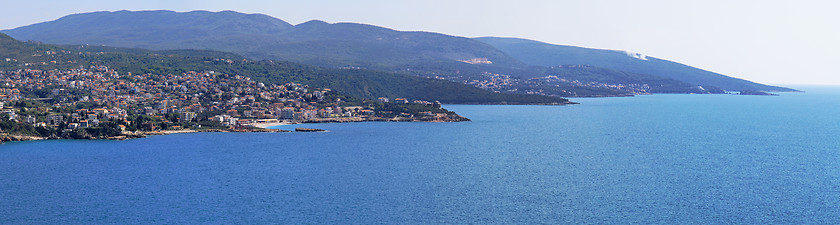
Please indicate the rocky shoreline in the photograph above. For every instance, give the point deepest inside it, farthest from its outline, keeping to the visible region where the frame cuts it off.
(142, 134)
(132, 135)
(301, 129)
(7, 138)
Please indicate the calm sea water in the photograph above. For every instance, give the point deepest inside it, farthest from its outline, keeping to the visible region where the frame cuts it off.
(646, 159)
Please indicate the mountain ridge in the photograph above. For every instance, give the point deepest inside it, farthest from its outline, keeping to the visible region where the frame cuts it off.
(296, 39)
(332, 45)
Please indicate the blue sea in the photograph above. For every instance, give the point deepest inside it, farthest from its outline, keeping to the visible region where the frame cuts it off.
(696, 159)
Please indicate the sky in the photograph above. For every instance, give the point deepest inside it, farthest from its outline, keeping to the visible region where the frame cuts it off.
(771, 42)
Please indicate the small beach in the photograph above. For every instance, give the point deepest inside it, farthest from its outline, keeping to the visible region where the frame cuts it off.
(271, 124)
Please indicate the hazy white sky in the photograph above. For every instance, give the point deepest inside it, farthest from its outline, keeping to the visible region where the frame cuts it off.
(775, 42)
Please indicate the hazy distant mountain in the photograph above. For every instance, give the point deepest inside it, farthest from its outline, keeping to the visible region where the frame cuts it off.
(350, 45)
(544, 54)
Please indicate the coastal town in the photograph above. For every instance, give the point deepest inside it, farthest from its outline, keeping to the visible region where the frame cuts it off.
(99, 102)
(551, 85)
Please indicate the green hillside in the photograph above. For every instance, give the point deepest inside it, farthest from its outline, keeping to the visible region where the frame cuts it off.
(354, 82)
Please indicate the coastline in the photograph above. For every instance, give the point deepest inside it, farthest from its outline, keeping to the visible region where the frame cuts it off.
(256, 127)
(448, 118)
(137, 134)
